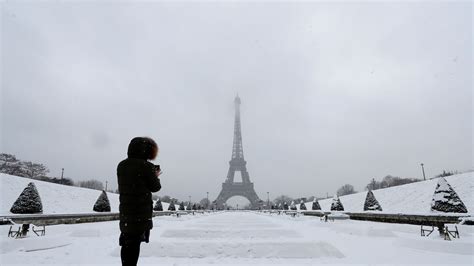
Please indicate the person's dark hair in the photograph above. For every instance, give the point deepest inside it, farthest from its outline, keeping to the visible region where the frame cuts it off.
(142, 148)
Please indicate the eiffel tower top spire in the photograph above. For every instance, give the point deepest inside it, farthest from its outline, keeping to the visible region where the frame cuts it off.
(237, 148)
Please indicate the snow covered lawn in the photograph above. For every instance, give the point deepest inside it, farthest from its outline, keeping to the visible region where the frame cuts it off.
(414, 198)
(243, 238)
(55, 198)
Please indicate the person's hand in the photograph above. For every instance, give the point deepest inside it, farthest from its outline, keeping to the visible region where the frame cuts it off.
(158, 173)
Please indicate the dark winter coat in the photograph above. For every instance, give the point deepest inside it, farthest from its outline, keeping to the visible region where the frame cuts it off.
(137, 179)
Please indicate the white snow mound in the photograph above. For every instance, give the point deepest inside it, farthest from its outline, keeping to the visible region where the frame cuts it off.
(414, 198)
(54, 197)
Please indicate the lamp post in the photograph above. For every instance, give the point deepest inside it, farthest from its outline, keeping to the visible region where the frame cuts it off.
(62, 173)
(423, 170)
(189, 200)
(207, 202)
(268, 200)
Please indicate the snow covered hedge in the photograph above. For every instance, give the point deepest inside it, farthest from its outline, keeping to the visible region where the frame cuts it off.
(158, 206)
(171, 207)
(445, 199)
(29, 201)
(371, 203)
(302, 206)
(336, 204)
(102, 204)
(293, 206)
(315, 206)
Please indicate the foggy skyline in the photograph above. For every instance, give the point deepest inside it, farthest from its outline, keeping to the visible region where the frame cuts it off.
(332, 94)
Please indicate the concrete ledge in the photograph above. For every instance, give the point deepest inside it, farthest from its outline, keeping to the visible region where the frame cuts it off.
(52, 219)
(315, 213)
(400, 218)
(416, 219)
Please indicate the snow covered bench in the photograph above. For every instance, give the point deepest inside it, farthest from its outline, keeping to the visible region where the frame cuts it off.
(444, 232)
(179, 213)
(23, 230)
(291, 213)
(334, 216)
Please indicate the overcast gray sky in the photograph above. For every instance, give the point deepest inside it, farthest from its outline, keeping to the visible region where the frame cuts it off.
(331, 93)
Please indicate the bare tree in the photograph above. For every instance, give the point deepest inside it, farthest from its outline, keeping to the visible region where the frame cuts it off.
(310, 199)
(347, 189)
(9, 164)
(166, 199)
(33, 170)
(282, 199)
(92, 184)
(205, 203)
(389, 181)
(447, 173)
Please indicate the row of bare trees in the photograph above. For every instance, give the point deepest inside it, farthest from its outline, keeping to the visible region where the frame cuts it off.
(11, 165)
(387, 181)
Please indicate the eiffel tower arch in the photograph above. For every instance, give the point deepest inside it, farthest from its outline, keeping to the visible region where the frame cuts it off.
(230, 188)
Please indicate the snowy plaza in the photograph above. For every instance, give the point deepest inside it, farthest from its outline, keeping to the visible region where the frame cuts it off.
(243, 238)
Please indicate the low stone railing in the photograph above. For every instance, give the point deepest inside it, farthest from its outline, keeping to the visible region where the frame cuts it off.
(417, 219)
(52, 219)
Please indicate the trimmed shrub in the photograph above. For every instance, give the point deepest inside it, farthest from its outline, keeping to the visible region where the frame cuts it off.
(102, 204)
(29, 201)
(172, 207)
(371, 203)
(445, 199)
(302, 206)
(336, 204)
(315, 206)
(293, 206)
(158, 206)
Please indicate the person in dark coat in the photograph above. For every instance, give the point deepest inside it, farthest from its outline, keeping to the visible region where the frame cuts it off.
(137, 179)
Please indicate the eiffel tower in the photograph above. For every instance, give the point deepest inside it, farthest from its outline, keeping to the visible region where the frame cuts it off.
(231, 188)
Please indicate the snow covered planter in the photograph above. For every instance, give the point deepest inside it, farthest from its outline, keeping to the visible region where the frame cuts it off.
(158, 206)
(29, 201)
(302, 206)
(102, 204)
(336, 204)
(172, 207)
(371, 203)
(445, 199)
(315, 206)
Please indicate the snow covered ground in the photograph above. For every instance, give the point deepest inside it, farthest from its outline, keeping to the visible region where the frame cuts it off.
(243, 238)
(412, 198)
(54, 197)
